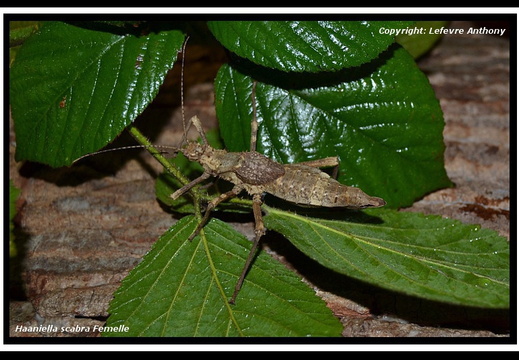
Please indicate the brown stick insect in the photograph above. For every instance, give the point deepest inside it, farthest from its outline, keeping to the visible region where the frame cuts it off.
(302, 183)
(251, 172)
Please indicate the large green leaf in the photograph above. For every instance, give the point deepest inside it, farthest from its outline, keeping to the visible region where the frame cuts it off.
(182, 288)
(425, 256)
(382, 120)
(311, 46)
(73, 90)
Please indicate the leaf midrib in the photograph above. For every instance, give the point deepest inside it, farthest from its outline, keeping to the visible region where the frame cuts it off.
(362, 240)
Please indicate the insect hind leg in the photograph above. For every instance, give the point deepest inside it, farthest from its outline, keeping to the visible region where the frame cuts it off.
(332, 161)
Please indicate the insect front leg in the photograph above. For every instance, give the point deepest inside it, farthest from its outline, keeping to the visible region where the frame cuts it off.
(198, 126)
(211, 205)
(259, 231)
(188, 187)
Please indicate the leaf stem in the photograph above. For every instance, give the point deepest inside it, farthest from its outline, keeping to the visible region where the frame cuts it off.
(141, 139)
(173, 170)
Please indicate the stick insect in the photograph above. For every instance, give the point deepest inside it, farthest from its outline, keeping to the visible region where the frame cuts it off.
(302, 183)
(251, 172)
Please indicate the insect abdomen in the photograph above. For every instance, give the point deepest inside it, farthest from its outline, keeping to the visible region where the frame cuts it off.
(310, 186)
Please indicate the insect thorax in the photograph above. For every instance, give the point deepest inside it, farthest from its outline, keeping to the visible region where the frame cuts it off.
(257, 169)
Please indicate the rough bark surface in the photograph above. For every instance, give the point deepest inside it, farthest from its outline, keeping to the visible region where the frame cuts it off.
(82, 230)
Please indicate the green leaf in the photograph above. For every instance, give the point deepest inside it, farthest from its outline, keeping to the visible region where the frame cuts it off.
(425, 256)
(181, 288)
(382, 120)
(73, 90)
(311, 46)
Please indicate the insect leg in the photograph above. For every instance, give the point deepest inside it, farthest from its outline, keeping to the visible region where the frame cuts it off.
(188, 187)
(332, 161)
(320, 163)
(198, 125)
(254, 122)
(211, 205)
(259, 231)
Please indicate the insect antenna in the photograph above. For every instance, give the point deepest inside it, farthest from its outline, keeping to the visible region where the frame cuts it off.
(193, 120)
(185, 128)
(174, 148)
